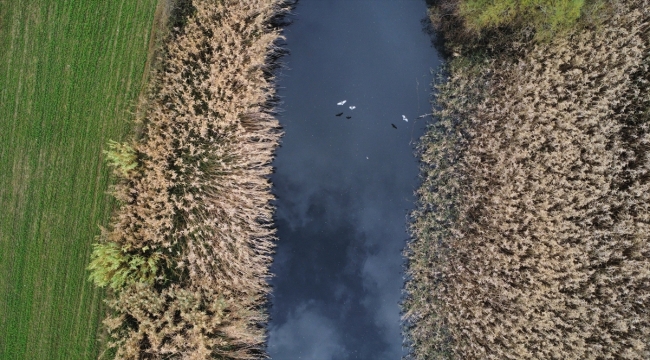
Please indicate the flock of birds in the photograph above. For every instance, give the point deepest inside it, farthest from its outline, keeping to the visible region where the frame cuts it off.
(343, 103)
(352, 107)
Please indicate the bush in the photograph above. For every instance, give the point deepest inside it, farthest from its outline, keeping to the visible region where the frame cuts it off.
(121, 157)
(111, 265)
(497, 26)
(545, 16)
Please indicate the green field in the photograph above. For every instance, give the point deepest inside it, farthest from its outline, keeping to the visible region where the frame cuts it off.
(70, 75)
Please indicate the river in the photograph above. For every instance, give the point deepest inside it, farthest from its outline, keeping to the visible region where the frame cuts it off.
(344, 186)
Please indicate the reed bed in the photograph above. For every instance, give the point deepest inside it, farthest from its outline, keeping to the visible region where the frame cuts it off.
(530, 240)
(188, 251)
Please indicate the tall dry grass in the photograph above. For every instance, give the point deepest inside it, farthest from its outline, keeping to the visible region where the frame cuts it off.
(531, 240)
(196, 207)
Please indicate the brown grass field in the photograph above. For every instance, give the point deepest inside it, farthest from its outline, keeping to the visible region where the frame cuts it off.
(531, 239)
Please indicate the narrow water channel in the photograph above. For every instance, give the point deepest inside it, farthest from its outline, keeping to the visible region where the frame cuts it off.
(345, 186)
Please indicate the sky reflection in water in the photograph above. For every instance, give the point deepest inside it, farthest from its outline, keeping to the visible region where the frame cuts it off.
(345, 186)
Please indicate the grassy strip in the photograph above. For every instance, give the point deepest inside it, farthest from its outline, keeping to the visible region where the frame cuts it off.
(71, 72)
(188, 251)
(494, 26)
(531, 236)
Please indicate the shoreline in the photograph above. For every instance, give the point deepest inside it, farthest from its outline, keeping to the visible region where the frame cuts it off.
(194, 232)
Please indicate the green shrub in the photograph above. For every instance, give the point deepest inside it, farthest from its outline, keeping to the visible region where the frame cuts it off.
(121, 157)
(111, 265)
(546, 16)
(494, 26)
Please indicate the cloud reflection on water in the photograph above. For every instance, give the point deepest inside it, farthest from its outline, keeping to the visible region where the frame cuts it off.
(344, 187)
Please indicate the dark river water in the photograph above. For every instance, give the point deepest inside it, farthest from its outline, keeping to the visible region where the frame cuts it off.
(344, 187)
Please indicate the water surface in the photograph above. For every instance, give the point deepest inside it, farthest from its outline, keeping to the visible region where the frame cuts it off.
(345, 186)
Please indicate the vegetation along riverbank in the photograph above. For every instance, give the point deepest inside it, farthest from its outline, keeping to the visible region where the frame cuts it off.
(186, 255)
(530, 240)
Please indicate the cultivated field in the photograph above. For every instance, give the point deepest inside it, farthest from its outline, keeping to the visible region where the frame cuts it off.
(70, 75)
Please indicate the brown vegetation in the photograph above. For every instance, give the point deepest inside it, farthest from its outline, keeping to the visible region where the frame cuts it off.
(531, 236)
(189, 248)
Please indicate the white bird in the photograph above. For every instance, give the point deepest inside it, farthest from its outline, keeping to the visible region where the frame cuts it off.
(341, 102)
(352, 107)
(404, 118)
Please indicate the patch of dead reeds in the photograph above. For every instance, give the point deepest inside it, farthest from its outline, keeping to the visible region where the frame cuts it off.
(531, 236)
(196, 207)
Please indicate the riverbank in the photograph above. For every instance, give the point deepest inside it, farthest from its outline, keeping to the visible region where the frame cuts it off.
(187, 253)
(531, 234)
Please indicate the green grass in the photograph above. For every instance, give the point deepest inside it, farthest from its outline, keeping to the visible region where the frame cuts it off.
(546, 16)
(70, 75)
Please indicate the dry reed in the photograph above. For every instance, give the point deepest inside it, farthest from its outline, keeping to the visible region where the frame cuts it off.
(531, 235)
(200, 192)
